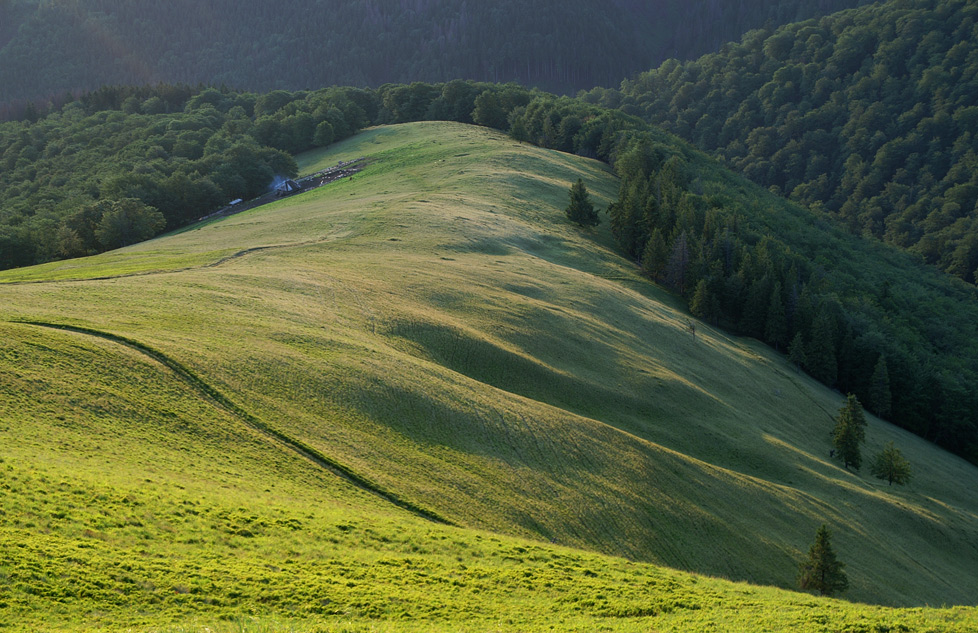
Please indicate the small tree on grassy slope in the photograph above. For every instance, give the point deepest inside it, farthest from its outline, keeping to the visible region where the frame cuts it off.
(890, 465)
(580, 209)
(849, 433)
(822, 571)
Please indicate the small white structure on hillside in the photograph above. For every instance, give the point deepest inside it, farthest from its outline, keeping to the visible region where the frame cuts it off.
(286, 187)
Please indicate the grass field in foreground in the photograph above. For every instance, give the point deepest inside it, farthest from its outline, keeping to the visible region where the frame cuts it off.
(438, 329)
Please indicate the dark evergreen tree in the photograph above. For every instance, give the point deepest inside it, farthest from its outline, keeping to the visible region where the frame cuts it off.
(850, 433)
(677, 270)
(822, 362)
(879, 389)
(757, 304)
(796, 351)
(656, 255)
(704, 303)
(776, 327)
(822, 571)
(580, 209)
(889, 464)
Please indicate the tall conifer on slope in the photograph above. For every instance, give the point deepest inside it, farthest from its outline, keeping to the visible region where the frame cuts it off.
(879, 389)
(580, 209)
(849, 433)
(822, 571)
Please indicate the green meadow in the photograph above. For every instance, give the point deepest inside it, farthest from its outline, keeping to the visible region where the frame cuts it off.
(422, 399)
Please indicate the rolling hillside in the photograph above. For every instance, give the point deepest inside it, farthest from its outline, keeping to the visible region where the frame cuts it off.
(351, 403)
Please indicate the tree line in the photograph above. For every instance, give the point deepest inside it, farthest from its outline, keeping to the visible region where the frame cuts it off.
(855, 315)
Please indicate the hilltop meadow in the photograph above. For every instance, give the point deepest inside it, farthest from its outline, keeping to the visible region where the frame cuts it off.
(422, 399)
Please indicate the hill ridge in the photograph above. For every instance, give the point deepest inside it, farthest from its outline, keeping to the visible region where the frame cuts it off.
(643, 465)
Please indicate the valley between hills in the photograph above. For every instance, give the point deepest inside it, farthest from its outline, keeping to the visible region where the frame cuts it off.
(421, 399)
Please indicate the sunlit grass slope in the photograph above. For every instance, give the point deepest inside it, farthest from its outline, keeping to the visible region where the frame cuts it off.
(436, 332)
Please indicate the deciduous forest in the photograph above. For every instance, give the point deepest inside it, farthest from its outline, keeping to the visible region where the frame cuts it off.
(48, 48)
(870, 115)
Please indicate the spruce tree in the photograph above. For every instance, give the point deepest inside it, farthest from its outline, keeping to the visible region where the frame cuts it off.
(796, 351)
(822, 362)
(656, 255)
(889, 464)
(776, 326)
(580, 209)
(879, 389)
(704, 303)
(849, 433)
(822, 571)
(677, 271)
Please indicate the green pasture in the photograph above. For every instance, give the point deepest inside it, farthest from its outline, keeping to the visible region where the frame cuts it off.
(437, 332)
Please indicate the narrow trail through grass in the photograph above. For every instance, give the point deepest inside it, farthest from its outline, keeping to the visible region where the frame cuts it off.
(166, 271)
(210, 393)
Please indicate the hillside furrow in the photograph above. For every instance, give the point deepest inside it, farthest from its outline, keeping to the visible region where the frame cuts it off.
(288, 442)
(165, 271)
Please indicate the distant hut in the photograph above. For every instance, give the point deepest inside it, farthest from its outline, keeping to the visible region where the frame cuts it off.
(287, 187)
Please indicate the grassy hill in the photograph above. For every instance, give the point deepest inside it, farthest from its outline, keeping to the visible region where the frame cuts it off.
(262, 414)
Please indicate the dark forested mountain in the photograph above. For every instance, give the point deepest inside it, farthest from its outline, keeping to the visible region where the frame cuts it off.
(49, 47)
(871, 114)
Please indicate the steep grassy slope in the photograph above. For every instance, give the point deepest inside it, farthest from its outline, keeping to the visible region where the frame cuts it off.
(437, 328)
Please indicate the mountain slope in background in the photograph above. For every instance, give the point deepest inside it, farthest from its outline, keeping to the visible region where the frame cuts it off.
(47, 48)
(437, 327)
(870, 114)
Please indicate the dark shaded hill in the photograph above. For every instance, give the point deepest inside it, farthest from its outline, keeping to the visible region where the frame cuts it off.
(871, 114)
(49, 48)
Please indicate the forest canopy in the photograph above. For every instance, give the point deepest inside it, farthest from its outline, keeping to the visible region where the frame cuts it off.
(870, 115)
(49, 48)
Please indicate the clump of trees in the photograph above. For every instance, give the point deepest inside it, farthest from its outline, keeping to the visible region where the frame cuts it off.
(848, 436)
(822, 571)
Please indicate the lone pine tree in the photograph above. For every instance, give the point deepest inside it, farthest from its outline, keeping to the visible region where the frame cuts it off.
(822, 571)
(580, 209)
(849, 432)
